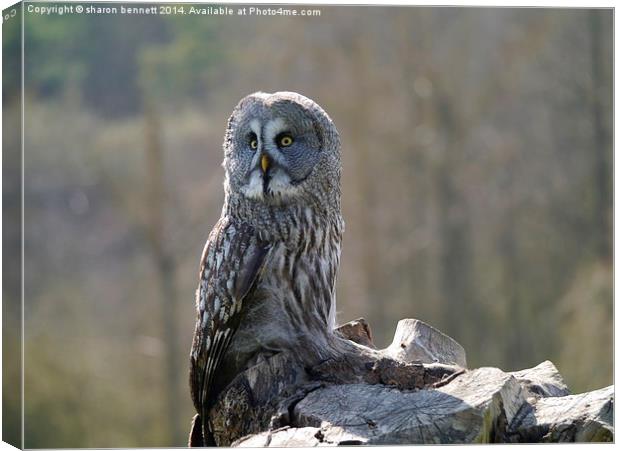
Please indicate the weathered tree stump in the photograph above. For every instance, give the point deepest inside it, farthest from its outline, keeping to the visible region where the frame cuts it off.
(417, 390)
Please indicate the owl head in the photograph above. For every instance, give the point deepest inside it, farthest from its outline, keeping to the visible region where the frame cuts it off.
(281, 148)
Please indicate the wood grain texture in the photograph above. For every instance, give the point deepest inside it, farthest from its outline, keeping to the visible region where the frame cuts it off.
(586, 417)
(373, 397)
(416, 341)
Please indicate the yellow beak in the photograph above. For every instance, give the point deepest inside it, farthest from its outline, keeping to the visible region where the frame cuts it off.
(264, 162)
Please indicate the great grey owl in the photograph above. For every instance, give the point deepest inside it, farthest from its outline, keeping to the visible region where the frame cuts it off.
(268, 269)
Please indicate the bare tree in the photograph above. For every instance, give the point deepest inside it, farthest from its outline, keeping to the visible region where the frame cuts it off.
(164, 264)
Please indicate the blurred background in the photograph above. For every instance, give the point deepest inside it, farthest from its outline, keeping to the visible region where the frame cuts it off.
(477, 190)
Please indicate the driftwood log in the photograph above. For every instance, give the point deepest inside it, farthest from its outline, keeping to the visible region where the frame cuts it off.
(417, 390)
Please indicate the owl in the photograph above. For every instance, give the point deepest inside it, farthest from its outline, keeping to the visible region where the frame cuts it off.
(268, 269)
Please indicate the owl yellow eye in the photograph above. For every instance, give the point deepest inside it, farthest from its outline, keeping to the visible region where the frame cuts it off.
(285, 141)
(252, 140)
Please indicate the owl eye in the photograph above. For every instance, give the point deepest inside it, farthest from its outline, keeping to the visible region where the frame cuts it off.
(252, 141)
(284, 140)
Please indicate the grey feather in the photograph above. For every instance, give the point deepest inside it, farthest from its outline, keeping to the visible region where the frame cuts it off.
(268, 271)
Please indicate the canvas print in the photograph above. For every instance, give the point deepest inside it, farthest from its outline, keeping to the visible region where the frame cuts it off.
(306, 225)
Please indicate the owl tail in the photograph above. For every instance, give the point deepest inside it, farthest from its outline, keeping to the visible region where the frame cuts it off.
(198, 437)
(195, 433)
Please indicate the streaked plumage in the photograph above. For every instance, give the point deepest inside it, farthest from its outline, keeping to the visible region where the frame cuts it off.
(268, 270)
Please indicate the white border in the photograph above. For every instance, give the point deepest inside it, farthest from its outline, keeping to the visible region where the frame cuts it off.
(479, 3)
(438, 3)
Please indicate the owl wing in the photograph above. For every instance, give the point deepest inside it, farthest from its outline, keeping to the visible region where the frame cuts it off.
(231, 263)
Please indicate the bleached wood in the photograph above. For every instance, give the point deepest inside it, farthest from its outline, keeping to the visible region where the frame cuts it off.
(386, 396)
(586, 417)
(416, 341)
